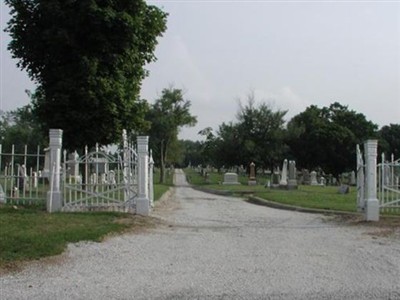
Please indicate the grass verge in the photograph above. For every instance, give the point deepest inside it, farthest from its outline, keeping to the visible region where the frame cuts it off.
(29, 232)
(317, 197)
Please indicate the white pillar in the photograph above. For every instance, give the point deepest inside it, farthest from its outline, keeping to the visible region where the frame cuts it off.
(151, 187)
(143, 203)
(372, 203)
(54, 195)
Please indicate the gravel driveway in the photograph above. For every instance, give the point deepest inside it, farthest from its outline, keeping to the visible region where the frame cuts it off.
(214, 247)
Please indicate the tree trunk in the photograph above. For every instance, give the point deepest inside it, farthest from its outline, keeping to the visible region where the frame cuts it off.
(162, 162)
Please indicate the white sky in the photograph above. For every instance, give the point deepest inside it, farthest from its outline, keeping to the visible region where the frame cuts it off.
(290, 53)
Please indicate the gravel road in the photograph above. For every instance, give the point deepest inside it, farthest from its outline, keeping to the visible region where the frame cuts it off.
(215, 247)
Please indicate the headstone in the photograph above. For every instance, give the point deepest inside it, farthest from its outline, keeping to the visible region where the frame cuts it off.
(21, 184)
(230, 179)
(111, 179)
(313, 178)
(344, 189)
(46, 168)
(353, 178)
(275, 178)
(283, 181)
(306, 177)
(252, 175)
(35, 179)
(322, 181)
(292, 182)
(73, 164)
(2, 195)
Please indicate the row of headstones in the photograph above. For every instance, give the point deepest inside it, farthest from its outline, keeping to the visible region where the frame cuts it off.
(290, 177)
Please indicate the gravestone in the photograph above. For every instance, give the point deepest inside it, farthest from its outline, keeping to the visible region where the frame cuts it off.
(292, 182)
(230, 179)
(2, 195)
(306, 177)
(322, 181)
(344, 189)
(35, 179)
(353, 178)
(252, 175)
(313, 178)
(73, 164)
(283, 181)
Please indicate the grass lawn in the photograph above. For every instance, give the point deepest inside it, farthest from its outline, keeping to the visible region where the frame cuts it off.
(29, 232)
(305, 196)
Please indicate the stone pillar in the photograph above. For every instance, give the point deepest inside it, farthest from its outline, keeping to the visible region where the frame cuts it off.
(143, 203)
(54, 195)
(372, 203)
(151, 188)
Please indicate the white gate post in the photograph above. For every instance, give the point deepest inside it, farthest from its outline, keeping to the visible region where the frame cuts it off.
(151, 187)
(142, 203)
(372, 203)
(54, 195)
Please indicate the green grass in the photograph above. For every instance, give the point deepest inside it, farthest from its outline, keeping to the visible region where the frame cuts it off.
(31, 233)
(305, 196)
(160, 189)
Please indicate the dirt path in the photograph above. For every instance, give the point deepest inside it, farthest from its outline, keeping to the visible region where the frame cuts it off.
(214, 247)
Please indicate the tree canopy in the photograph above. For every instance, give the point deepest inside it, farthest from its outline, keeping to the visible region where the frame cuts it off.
(87, 58)
(326, 137)
(256, 136)
(167, 116)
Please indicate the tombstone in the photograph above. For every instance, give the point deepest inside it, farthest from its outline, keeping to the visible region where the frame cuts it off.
(21, 179)
(230, 179)
(283, 181)
(35, 179)
(73, 164)
(112, 183)
(207, 177)
(322, 181)
(2, 195)
(313, 178)
(334, 181)
(252, 175)
(275, 178)
(292, 182)
(99, 165)
(353, 181)
(344, 189)
(46, 168)
(306, 177)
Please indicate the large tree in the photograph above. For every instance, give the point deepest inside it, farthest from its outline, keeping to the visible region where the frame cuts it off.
(256, 136)
(327, 137)
(167, 116)
(87, 58)
(390, 140)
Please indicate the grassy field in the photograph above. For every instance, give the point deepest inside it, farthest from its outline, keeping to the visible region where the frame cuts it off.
(29, 232)
(305, 196)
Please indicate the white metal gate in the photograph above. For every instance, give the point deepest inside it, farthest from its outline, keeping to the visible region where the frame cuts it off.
(99, 181)
(388, 184)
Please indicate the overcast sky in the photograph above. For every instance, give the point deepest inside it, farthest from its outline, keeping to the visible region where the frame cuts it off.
(291, 54)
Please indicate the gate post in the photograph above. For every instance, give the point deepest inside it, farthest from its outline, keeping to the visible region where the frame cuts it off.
(54, 195)
(372, 203)
(142, 203)
(151, 187)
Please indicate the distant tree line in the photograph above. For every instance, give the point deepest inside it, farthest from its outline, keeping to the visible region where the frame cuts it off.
(317, 138)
